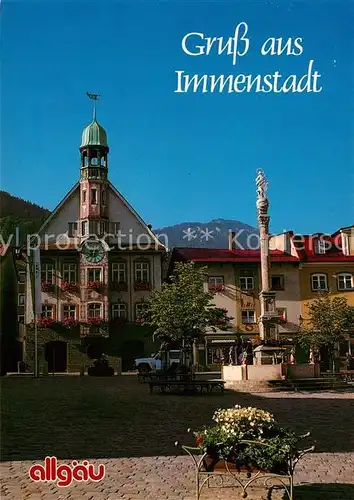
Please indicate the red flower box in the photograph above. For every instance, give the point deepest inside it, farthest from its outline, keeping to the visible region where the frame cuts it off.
(47, 287)
(97, 286)
(69, 286)
(119, 286)
(93, 321)
(43, 322)
(69, 323)
(142, 285)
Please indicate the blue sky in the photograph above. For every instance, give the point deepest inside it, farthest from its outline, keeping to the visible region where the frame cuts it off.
(181, 157)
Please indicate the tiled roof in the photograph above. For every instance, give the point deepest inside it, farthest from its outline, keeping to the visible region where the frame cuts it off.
(306, 249)
(225, 255)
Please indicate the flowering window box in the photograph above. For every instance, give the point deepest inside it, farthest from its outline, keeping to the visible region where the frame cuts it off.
(95, 321)
(69, 323)
(119, 286)
(69, 287)
(96, 286)
(142, 285)
(44, 322)
(47, 287)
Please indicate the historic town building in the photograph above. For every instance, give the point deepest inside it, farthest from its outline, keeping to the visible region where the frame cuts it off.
(300, 268)
(99, 262)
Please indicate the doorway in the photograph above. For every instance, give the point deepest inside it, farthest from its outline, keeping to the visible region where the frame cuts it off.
(56, 355)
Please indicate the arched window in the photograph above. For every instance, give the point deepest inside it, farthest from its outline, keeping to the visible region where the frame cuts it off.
(94, 310)
(319, 282)
(119, 310)
(94, 161)
(103, 197)
(103, 161)
(345, 281)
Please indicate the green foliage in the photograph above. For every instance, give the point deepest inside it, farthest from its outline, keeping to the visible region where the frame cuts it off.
(329, 319)
(249, 437)
(182, 310)
(25, 227)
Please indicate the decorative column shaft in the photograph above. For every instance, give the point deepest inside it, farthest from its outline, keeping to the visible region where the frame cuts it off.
(266, 297)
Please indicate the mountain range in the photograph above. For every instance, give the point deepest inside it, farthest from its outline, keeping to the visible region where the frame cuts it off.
(16, 212)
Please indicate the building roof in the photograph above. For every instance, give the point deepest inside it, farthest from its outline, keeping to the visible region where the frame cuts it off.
(306, 248)
(94, 135)
(225, 255)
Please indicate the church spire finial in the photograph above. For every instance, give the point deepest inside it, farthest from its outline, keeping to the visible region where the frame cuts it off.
(95, 98)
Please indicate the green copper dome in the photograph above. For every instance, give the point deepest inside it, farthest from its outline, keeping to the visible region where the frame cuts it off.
(94, 135)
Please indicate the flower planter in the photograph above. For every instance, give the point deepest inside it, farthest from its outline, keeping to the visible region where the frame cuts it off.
(247, 445)
(47, 287)
(69, 287)
(95, 286)
(142, 285)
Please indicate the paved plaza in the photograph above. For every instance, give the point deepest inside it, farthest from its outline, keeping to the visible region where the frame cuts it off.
(118, 423)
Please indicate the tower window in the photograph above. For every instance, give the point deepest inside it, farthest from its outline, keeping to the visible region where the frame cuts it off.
(103, 163)
(93, 196)
(114, 228)
(94, 161)
(84, 196)
(72, 229)
(94, 274)
(84, 228)
(103, 197)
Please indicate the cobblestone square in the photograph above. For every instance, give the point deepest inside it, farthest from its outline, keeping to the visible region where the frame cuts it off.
(117, 422)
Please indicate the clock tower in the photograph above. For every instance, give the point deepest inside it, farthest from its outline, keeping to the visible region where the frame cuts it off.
(93, 221)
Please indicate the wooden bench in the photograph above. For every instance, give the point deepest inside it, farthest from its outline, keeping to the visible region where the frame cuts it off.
(187, 386)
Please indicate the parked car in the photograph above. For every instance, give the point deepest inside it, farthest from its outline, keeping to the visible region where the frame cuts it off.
(156, 362)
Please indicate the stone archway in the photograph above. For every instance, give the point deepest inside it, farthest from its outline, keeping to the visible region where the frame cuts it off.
(56, 355)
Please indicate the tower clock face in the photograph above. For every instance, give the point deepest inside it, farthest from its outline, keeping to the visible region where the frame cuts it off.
(93, 251)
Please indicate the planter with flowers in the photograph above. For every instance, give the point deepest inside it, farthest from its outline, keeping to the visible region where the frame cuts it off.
(43, 322)
(48, 287)
(142, 285)
(95, 286)
(69, 287)
(70, 323)
(247, 442)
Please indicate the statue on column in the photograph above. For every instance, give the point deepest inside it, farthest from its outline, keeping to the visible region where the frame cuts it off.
(262, 185)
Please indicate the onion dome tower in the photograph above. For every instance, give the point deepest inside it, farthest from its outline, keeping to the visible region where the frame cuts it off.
(93, 177)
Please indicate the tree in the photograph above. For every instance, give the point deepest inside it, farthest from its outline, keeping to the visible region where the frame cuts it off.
(180, 311)
(329, 320)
